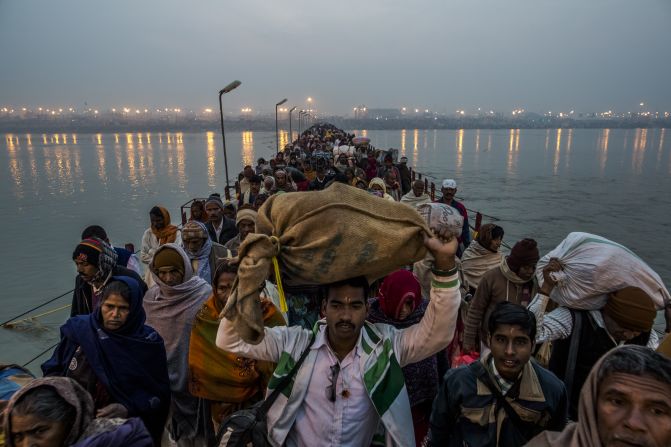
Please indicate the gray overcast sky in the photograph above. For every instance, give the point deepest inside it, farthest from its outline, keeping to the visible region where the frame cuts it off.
(591, 55)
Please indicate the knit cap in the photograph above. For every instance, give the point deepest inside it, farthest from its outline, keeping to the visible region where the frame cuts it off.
(525, 252)
(194, 230)
(168, 257)
(88, 250)
(215, 198)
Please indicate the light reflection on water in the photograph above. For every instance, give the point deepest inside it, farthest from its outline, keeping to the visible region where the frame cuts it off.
(603, 150)
(540, 183)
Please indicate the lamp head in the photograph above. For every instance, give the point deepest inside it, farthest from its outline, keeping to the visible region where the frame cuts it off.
(233, 85)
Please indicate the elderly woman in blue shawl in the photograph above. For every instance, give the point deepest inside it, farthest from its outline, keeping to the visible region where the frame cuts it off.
(118, 359)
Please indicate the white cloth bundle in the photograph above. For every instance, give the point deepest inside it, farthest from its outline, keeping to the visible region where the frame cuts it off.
(593, 267)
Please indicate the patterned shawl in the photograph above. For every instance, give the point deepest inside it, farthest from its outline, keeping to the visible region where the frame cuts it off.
(221, 376)
(203, 255)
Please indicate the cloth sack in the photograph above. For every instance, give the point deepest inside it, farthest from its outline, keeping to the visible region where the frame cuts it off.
(438, 215)
(320, 237)
(593, 267)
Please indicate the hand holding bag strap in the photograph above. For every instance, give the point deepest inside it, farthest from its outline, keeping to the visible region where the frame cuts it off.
(265, 406)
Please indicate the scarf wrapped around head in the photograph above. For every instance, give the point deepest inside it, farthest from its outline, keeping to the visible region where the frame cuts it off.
(195, 229)
(632, 309)
(130, 362)
(246, 214)
(169, 232)
(171, 311)
(585, 432)
(70, 391)
(378, 181)
(398, 288)
(485, 235)
(99, 253)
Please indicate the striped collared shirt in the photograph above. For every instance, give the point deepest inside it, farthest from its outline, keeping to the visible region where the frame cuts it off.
(503, 384)
(558, 324)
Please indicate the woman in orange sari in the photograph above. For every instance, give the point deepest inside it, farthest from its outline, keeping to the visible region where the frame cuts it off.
(226, 382)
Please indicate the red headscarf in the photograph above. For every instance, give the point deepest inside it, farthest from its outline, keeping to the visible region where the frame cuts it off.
(397, 288)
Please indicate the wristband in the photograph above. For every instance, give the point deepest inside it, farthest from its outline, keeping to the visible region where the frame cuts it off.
(450, 272)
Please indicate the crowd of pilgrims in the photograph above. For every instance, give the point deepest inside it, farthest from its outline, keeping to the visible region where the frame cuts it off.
(467, 348)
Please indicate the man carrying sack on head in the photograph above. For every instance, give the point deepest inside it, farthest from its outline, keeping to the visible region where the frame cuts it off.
(582, 337)
(349, 390)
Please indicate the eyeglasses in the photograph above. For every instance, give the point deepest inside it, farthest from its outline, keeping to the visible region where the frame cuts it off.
(331, 389)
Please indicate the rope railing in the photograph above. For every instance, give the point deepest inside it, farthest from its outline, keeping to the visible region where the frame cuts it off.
(12, 321)
(41, 354)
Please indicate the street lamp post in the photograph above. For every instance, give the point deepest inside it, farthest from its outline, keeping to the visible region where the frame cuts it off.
(233, 85)
(301, 121)
(277, 135)
(291, 135)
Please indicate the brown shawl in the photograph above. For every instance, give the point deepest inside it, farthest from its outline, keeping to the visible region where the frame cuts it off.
(70, 391)
(478, 260)
(585, 432)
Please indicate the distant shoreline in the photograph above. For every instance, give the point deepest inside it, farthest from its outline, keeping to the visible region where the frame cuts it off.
(101, 125)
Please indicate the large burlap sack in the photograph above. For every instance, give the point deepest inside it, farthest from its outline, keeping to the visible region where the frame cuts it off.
(593, 267)
(321, 237)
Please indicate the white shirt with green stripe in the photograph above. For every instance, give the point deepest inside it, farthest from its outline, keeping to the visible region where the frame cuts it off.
(374, 384)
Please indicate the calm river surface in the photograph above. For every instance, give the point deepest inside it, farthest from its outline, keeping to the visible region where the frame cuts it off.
(539, 183)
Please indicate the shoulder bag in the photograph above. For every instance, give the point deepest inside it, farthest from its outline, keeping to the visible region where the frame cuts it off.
(248, 427)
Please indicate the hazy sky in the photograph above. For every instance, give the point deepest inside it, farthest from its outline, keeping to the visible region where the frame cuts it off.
(587, 55)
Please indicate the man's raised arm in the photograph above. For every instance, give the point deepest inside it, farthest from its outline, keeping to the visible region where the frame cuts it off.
(436, 329)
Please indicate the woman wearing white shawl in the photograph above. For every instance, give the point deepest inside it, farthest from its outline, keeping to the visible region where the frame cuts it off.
(171, 310)
(482, 255)
(377, 184)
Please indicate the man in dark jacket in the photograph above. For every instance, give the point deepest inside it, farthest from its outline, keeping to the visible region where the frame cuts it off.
(406, 176)
(505, 398)
(96, 263)
(220, 228)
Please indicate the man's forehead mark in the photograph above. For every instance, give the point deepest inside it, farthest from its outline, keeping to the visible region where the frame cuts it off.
(347, 299)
